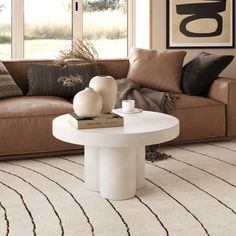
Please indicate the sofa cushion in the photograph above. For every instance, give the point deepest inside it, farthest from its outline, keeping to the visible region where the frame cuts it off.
(34, 106)
(157, 70)
(26, 125)
(199, 117)
(57, 80)
(199, 73)
(117, 68)
(8, 87)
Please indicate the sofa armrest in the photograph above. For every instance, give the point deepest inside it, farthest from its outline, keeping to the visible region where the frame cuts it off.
(224, 90)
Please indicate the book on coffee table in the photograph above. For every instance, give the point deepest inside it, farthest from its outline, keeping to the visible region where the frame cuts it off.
(101, 121)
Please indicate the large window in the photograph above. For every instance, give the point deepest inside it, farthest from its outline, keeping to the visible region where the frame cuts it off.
(47, 27)
(5, 29)
(105, 24)
(41, 28)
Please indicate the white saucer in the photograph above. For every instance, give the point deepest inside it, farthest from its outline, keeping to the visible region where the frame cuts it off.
(136, 110)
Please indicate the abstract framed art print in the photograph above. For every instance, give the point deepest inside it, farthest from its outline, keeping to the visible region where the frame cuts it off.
(200, 23)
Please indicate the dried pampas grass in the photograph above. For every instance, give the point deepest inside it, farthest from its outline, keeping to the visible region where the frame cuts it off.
(81, 49)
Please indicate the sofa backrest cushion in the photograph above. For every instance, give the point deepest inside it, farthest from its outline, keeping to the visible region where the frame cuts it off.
(117, 68)
(157, 70)
(8, 87)
(59, 80)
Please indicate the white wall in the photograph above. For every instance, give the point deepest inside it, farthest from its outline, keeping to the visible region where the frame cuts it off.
(142, 23)
(159, 38)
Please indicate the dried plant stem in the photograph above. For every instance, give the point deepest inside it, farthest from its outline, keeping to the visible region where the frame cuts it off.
(81, 49)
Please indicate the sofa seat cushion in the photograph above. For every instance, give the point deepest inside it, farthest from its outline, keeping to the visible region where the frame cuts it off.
(26, 125)
(199, 117)
(33, 106)
(185, 101)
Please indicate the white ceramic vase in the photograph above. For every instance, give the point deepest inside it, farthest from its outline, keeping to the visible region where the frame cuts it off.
(106, 86)
(87, 103)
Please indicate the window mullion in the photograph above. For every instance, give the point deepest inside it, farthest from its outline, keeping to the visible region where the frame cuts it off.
(131, 24)
(17, 29)
(77, 16)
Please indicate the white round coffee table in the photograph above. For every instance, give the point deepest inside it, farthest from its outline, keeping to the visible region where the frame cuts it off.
(115, 157)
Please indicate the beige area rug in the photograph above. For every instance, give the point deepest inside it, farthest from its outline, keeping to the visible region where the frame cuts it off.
(193, 193)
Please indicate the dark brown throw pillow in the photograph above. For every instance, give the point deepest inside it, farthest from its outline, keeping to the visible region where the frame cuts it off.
(200, 72)
(58, 80)
(157, 70)
(8, 87)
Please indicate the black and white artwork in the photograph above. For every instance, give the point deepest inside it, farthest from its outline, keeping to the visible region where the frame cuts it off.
(200, 23)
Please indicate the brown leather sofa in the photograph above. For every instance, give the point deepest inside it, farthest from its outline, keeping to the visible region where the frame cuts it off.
(26, 122)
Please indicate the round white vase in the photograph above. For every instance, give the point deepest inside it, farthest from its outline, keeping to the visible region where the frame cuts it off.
(87, 103)
(106, 86)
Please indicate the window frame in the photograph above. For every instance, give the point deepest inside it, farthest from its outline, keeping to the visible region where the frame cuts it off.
(17, 29)
(17, 25)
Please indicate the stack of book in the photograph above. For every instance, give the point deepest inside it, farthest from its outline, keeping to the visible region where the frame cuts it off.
(101, 121)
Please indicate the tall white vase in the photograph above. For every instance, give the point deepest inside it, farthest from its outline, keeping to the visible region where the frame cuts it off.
(106, 86)
(87, 103)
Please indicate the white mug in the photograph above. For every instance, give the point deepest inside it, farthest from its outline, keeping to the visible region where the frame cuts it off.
(128, 105)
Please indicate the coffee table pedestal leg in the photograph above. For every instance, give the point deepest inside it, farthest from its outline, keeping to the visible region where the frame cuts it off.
(91, 168)
(114, 172)
(140, 165)
(118, 173)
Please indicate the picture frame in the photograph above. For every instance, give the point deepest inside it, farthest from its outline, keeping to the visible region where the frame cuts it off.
(200, 24)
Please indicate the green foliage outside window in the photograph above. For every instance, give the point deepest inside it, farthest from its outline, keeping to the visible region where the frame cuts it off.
(100, 5)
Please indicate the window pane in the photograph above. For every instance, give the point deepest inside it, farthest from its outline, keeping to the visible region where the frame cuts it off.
(5, 29)
(48, 27)
(105, 25)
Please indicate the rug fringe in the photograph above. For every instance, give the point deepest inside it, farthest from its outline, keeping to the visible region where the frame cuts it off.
(152, 154)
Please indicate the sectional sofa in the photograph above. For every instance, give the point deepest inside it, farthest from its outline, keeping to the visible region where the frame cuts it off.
(26, 121)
